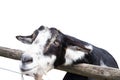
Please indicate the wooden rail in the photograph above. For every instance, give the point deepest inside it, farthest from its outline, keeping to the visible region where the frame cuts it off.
(93, 71)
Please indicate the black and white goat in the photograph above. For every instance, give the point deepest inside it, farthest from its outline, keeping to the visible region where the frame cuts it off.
(50, 48)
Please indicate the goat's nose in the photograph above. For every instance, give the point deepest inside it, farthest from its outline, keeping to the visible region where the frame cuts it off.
(26, 59)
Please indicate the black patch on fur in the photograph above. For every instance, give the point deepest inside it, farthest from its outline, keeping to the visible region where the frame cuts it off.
(71, 76)
(57, 50)
(41, 28)
(34, 35)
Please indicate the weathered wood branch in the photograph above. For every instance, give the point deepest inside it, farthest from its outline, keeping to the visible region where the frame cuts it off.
(10, 53)
(97, 72)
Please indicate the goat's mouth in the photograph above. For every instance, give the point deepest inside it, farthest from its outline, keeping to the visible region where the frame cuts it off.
(25, 69)
(28, 71)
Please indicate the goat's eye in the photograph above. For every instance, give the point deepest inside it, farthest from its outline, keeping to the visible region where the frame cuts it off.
(56, 43)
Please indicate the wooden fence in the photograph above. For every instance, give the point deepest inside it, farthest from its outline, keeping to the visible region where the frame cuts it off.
(93, 71)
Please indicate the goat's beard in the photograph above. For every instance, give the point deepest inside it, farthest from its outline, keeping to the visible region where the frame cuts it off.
(36, 77)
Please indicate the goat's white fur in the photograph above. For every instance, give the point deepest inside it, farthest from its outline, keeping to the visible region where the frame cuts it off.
(41, 63)
(102, 63)
(73, 55)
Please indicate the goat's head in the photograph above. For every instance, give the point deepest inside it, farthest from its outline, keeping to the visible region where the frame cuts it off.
(47, 50)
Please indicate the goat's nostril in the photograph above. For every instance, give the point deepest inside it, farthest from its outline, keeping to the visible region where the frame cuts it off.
(26, 59)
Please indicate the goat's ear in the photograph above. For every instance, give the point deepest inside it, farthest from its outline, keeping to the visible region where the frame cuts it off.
(78, 44)
(86, 49)
(25, 39)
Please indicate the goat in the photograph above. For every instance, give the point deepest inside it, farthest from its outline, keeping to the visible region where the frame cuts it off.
(50, 48)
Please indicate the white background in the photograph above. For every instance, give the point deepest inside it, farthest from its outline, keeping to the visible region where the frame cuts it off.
(94, 21)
